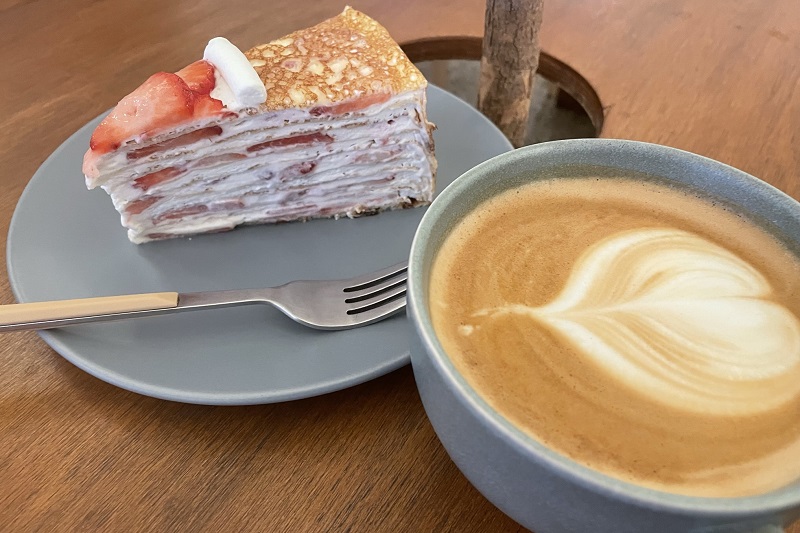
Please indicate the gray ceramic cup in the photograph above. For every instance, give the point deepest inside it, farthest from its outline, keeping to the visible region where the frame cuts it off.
(537, 487)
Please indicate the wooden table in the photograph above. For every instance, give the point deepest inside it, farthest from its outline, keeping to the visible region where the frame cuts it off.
(720, 78)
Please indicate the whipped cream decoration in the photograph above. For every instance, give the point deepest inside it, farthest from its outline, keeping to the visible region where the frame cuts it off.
(678, 318)
(237, 83)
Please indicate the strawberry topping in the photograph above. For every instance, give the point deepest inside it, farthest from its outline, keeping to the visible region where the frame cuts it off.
(176, 142)
(163, 101)
(160, 102)
(199, 76)
(205, 106)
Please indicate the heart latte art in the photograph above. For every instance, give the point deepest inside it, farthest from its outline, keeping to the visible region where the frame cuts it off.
(680, 319)
(637, 329)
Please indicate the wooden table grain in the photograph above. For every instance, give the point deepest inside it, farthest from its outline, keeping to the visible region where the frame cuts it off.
(718, 77)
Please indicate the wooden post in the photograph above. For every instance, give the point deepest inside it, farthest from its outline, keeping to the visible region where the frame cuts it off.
(509, 62)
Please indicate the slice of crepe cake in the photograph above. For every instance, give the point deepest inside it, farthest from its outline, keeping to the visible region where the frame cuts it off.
(328, 121)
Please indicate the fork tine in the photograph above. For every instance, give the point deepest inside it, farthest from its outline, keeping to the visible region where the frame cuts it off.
(375, 314)
(372, 279)
(375, 300)
(380, 287)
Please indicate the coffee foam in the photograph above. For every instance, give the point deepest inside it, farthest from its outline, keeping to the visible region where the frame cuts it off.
(637, 329)
(678, 318)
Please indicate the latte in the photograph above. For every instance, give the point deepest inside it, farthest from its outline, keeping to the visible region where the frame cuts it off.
(640, 330)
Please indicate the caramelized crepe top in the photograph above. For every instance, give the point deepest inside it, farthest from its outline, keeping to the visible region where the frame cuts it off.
(347, 57)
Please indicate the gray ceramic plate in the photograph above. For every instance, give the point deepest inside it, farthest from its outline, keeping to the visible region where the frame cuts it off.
(66, 242)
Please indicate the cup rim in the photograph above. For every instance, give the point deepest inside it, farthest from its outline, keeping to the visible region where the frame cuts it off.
(774, 501)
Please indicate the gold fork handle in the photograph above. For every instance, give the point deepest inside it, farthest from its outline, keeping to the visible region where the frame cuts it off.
(34, 315)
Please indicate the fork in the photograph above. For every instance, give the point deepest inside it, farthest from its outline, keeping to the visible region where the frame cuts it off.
(327, 305)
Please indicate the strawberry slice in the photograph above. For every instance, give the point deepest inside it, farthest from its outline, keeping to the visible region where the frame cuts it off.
(199, 76)
(154, 178)
(221, 158)
(350, 106)
(306, 138)
(205, 106)
(137, 206)
(175, 142)
(181, 212)
(164, 100)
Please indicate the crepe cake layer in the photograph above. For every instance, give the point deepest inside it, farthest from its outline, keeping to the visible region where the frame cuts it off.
(343, 132)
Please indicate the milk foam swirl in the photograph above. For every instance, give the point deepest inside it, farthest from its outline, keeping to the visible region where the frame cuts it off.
(678, 318)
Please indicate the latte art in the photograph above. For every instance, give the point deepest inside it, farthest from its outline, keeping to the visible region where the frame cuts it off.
(678, 318)
(632, 327)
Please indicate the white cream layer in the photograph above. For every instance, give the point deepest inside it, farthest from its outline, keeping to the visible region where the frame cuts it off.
(237, 83)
